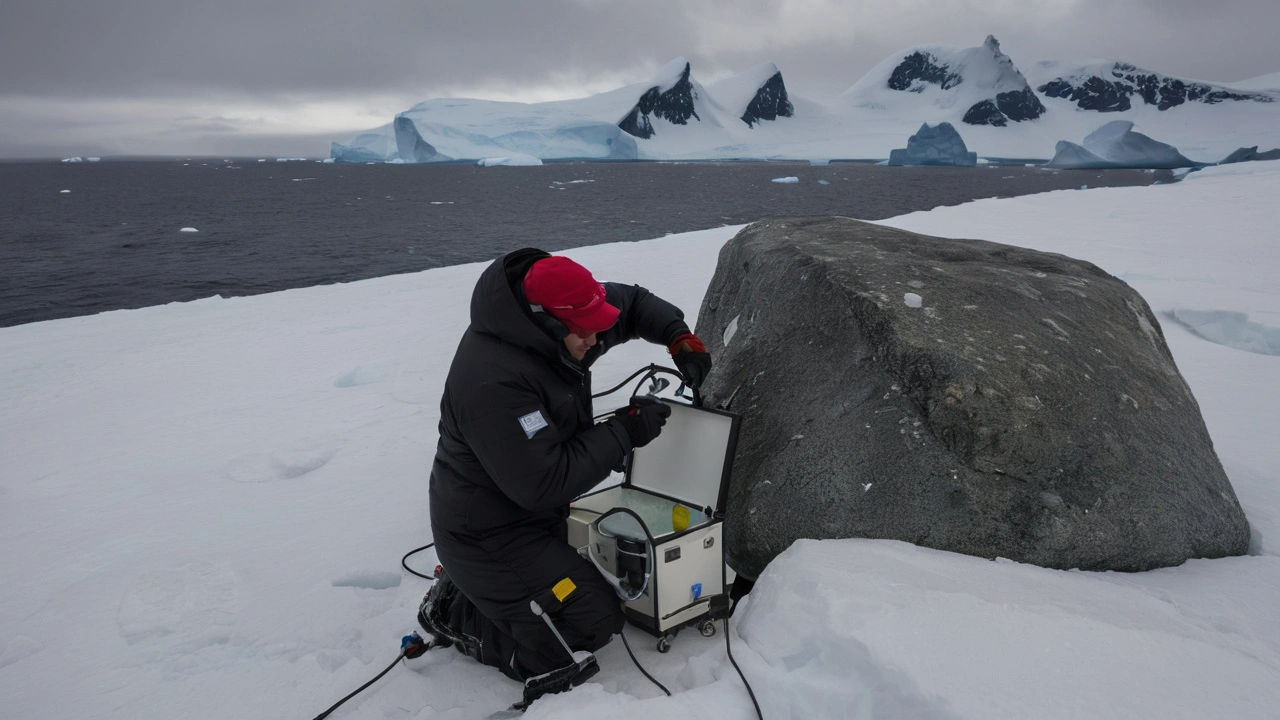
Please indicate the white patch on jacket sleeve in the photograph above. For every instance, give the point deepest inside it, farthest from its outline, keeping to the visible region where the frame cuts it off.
(532, 423)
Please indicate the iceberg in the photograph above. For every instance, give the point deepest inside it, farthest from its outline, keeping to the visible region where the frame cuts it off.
(1116, 145)
(1249, 154)
(1070, 155)
(937, 144)
(377, 145)
(1116, 141)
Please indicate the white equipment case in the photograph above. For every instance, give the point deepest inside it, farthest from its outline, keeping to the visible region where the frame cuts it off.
(667, 515)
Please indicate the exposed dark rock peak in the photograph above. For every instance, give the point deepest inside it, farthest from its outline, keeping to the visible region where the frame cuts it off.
(770, 102)
(675, 106)
(636, 122)
(924, 67)
(1015, 105)
(1094, 93)
(1112, 94)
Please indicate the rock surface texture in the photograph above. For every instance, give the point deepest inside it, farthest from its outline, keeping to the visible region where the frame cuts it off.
(956, 394)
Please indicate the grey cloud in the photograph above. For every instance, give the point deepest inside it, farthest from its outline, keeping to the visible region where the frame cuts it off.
(146, 46)
(158, 47)
(274, 51)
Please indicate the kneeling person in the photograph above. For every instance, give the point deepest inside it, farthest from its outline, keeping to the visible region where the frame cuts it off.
(517, 444)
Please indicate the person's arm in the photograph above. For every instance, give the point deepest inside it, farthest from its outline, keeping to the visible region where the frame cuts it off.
(645, 315)
(641, 314)
(534, 471)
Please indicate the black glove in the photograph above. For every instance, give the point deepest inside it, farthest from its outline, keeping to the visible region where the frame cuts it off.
(691, 359)
(642, 419)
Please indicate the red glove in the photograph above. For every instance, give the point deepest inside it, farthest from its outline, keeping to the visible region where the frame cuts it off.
(691, 358)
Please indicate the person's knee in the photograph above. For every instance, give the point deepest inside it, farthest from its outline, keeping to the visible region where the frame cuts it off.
(598, 615)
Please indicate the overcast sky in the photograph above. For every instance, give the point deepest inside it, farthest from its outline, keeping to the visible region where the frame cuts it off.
(283, 77)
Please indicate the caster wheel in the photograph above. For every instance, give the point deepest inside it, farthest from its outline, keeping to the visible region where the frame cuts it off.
(664, 644)
(707, 628)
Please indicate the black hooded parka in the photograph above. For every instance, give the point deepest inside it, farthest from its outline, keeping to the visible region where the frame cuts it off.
(517, 445)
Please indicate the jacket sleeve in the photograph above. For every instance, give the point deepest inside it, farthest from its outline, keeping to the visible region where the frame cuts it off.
(534, 468)
(642, 315)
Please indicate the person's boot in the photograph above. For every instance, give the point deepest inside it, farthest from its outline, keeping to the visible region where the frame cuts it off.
(559, 680)
(438, 616)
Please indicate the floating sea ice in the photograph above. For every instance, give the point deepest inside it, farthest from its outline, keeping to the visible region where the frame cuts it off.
(188, 229)
(94, 159)
(1084, 187)
(64, 191)
(912, 300)
(790, 179)
(515, 159)
(824, 182)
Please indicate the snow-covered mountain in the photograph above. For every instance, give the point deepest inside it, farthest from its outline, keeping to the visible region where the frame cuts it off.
(999, 112)
(1114, 87)
(982, 82)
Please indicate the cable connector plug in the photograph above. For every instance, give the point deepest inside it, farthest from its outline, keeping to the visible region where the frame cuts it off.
(412, 645)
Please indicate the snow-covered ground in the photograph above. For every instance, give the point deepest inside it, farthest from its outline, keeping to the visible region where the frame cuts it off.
(203, 506)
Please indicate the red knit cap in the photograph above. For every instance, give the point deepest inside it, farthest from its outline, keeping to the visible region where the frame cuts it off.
(570, 294)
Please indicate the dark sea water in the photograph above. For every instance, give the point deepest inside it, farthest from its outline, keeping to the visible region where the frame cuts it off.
(113, 241)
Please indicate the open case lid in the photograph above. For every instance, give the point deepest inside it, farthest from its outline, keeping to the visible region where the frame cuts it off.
(691, 459)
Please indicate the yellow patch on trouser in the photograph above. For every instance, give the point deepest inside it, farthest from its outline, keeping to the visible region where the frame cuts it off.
(562, 589)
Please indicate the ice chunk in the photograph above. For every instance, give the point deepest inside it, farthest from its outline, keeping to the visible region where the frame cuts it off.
(510, 160)
(188, 230)
(64, 191)
(788, 180)
(912, 300)
(1232, 329)
(73, 160)
(937, 144)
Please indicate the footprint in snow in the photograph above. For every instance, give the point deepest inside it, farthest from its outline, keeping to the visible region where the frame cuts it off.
(365, 375)
(183, 602)
(368, 579)
(260, 467)
(18, 648)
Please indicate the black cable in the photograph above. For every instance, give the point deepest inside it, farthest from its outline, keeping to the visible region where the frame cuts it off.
(632, 376)
(404, 564)
(724, 583)
(640, 667)
(357, 691)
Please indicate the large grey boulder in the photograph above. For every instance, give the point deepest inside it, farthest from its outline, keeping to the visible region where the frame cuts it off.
(957, 394)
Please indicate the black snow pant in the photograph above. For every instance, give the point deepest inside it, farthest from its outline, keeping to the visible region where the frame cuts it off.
(498, 576)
